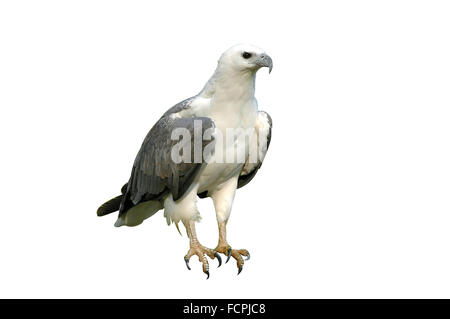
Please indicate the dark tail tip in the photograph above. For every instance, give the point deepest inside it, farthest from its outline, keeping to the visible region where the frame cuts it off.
(110, 206)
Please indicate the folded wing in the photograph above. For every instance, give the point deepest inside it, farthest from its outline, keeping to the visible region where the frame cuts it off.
(154, 172)
(263, 131)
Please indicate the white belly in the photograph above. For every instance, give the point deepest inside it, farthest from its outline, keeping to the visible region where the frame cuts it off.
(228, 159)
(226, 163)
(221, 168)
(215, 174)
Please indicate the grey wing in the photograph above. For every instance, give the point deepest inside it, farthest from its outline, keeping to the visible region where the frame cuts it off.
(263, 129)
(154, 172)
(185, 104)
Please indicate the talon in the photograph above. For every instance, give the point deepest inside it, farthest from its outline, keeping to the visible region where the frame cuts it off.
(219, 259)
(228, 255)
(207, 273)
(248, 256)
(186, 260)
(240, 269)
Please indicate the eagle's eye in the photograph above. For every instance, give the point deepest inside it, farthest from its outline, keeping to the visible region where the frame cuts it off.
(246, 55)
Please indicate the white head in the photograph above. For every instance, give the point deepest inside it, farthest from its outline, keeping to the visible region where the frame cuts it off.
(245, 58)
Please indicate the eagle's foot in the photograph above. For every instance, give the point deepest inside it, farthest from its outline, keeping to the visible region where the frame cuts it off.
(235, 253)
(202, 252)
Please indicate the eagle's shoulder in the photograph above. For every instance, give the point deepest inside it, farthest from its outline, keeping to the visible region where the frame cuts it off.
(183, 105)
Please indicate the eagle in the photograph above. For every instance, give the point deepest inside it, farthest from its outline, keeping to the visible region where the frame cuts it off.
(225, 115)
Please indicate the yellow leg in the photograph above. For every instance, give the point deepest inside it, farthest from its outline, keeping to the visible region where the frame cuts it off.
(224, 248)
(195, 248)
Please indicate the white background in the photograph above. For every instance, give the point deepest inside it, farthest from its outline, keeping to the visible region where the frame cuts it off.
(353, 197)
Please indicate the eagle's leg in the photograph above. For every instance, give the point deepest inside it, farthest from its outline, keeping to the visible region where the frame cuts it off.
(195, 248)
(224, 248)
(223, 200)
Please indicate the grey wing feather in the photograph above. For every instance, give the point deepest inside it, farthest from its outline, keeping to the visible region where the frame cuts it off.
(246, 177)
(154, 172)
(179, 106)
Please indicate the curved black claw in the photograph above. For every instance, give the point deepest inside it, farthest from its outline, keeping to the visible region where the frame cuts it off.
(207, 274)
(239, 270)
(187, 263)
(216, 254)
(228, 255)
(248, 256)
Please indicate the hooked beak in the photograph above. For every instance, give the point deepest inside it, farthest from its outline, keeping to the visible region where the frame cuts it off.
(265, 61)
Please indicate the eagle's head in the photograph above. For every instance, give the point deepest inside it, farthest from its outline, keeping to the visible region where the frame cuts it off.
(245, 58)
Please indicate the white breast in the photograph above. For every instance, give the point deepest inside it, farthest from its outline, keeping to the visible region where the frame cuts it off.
(239, 118)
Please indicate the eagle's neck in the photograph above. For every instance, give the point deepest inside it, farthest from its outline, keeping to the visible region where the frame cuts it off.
(231, 96)
(230, 85)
